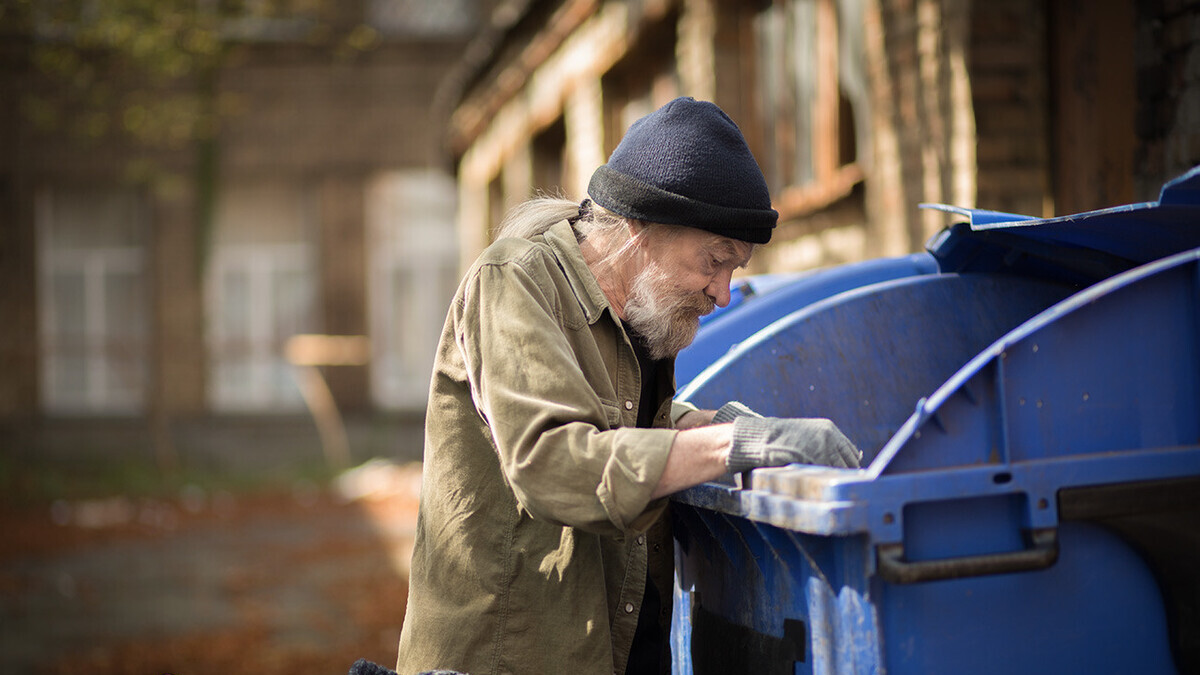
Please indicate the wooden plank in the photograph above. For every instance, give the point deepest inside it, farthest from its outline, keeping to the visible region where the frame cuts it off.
(1093, 93)
(825, 108)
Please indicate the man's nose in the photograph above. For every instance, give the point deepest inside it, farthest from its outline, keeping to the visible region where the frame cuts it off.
(718, 289)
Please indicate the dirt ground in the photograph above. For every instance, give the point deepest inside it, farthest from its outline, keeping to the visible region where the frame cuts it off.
(302, 581)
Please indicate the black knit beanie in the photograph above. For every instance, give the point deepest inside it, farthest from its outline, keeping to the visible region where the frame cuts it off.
(687, 164)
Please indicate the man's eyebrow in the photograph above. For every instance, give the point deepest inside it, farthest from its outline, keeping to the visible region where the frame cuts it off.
(729, 251)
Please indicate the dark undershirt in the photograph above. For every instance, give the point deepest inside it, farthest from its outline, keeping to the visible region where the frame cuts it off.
(646, 653)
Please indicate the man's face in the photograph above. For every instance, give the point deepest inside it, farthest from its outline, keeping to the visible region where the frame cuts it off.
(687, 275)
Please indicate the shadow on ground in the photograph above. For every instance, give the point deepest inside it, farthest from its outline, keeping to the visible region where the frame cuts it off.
(303, 581)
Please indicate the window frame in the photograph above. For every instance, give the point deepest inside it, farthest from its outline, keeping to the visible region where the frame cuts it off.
(270, 386)
(401, 365)
(98, 266)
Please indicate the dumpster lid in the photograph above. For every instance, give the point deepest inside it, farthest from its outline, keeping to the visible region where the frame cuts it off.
(1081, 248)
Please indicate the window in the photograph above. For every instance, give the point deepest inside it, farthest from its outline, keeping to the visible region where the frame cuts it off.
(414, 272)
(428, 18)
(815, 98)
(92, 295)
(261, 291)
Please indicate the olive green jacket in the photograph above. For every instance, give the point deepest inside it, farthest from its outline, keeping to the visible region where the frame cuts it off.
(535, 538)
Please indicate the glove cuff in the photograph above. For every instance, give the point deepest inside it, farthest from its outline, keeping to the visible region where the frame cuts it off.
(749, 438)
(731, 411)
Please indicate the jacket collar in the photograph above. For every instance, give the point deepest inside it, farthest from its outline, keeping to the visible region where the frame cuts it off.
(561, 239)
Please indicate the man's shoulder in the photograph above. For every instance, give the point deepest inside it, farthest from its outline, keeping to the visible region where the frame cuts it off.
(551, 262)
(510, 249)
(534, 256)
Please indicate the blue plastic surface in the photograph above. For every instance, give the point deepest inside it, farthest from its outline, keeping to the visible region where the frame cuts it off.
(1060, 358)
(1061, 620)
(1083, 248)
(774, 297)
(863, 357)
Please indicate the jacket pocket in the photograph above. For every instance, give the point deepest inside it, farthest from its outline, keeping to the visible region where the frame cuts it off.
(612, 413)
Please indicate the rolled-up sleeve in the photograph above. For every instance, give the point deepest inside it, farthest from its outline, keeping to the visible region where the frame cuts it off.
(560, 445)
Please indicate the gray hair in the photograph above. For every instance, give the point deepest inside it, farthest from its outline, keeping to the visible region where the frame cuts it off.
(535, 216)
(607, 231)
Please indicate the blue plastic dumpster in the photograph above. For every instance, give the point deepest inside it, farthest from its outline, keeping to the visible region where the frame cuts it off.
(1031, 419)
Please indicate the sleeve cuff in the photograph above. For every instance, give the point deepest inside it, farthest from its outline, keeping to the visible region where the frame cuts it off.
(731, 411)
(679, 409)
(637, 464)
(749, 438)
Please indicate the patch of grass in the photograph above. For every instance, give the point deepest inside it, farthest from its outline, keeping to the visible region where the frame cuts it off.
(25, 482)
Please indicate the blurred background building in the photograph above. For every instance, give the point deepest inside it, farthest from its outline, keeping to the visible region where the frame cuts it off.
(858, 110)
(186, 184)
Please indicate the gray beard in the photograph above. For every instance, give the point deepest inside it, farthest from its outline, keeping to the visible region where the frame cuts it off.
(666, 317)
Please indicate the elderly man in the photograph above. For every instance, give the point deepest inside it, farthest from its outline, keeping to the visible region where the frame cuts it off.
(551, 437)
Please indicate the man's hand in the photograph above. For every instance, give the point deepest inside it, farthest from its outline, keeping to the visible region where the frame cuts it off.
(773, 441)
(706, 449)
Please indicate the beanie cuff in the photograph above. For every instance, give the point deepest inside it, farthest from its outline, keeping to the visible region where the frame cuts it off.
(627, 196)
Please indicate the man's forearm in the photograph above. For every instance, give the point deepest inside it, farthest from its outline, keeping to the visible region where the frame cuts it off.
(697, 455)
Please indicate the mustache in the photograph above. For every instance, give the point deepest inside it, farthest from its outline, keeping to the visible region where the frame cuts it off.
(698, 304)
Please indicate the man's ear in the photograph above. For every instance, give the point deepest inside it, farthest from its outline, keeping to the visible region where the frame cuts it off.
(639, 231)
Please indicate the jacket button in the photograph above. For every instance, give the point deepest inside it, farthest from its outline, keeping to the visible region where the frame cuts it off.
(641, 539)
(629, 405)
(629, 608)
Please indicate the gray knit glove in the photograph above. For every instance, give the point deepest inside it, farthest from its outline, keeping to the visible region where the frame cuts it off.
(731, 410)
(774, 441)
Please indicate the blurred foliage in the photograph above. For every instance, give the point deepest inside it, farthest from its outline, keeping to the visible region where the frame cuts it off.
(146, 70)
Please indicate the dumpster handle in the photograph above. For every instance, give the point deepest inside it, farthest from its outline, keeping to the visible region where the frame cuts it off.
(894, 568)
